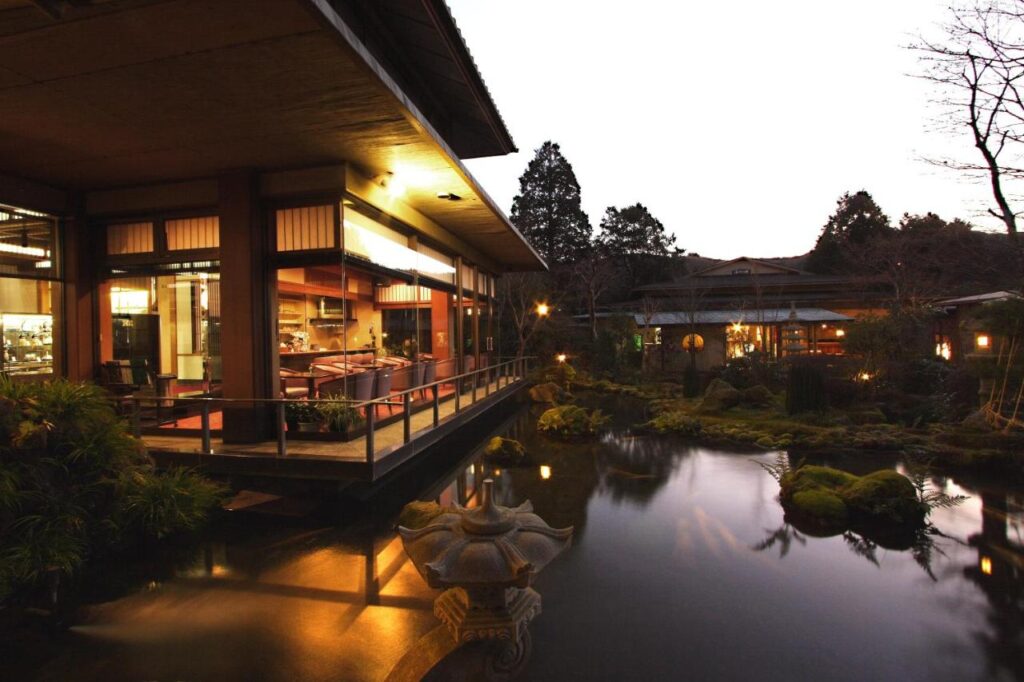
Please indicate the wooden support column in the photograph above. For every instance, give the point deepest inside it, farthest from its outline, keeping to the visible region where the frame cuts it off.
(75, 329)
(490, 316)
(246, 292)
(460, 344)
(476, 316)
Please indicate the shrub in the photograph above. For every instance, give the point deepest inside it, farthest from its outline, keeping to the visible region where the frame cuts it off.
(757, 395)
(828, 497)
(505, 450)
(74, 484)
(570, 422)
(338, 417)
(805, 390)
(691, 382)
(302, 411)
(562, 374)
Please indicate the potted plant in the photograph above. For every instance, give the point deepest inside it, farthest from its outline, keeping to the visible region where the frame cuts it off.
(304, 415)
(340, 417)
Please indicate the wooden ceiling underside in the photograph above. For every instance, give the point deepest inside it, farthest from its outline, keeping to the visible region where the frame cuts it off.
(156, 91)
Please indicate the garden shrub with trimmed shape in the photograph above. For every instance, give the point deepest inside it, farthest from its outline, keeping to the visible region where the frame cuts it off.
(675, 421)
(570, 422)
(719, 395)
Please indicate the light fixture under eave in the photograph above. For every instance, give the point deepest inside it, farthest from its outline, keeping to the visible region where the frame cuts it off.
(393, 184)
(450, 196)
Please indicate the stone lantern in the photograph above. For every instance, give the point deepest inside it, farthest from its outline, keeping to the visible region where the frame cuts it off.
(793, 334)
(486, 560)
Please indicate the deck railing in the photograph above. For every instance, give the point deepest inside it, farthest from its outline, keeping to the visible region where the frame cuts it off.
(466, 385)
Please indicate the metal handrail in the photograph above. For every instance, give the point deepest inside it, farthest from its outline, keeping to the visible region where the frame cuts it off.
(519, 367)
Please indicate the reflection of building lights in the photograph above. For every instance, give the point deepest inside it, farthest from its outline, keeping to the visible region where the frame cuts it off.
(390, 254)
(545, 471)
(543, 309)
(986, 565)
(982, 341)
(561, 357)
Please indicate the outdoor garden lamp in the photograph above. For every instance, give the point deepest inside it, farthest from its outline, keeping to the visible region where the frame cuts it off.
(543, 309)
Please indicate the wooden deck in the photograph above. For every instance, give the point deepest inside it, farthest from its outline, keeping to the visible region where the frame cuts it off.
(333, 459)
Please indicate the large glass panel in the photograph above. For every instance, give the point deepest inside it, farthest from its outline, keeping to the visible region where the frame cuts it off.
(167, 327)
(381, 245)
(27, 324)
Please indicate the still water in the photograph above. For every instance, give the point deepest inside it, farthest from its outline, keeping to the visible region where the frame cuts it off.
(682, 567)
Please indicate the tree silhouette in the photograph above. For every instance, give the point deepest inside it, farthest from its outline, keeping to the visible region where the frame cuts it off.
(547, 209)
(857, 220)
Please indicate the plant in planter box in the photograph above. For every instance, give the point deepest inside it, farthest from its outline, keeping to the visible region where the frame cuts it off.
(303, 414)
(340, 417)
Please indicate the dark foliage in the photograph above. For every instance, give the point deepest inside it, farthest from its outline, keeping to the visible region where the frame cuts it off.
(547, 209)
(805, 389)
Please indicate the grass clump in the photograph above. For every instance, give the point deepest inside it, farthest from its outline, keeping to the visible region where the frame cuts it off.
(418, 514)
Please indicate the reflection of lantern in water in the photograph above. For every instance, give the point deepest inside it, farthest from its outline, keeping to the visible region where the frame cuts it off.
(545, 471)
(986, 565)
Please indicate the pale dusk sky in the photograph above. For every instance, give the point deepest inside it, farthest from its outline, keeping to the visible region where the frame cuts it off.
(738, 124)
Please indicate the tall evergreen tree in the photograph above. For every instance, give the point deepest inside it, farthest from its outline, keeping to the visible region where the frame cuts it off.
(633, 231)
(547, 209)
(857, 220)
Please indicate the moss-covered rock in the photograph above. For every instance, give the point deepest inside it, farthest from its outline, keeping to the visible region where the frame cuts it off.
(719, 395)
(832, 497)
(824, 506)
(757, 396)
(505, 450)
(885, 493)
(550, 393)
(675, 421)
(419, 514)
(570, 422)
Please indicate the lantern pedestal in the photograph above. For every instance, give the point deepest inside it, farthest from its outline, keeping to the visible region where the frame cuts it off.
(471, 619)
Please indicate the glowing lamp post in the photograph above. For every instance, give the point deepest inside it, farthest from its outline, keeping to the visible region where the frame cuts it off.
(543, 310)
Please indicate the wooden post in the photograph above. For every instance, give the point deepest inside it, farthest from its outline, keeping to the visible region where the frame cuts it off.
(459, 338)
(247, 336)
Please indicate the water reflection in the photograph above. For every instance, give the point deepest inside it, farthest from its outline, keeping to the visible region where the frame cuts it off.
(682, 565)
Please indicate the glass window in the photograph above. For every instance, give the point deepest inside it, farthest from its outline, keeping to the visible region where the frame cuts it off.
(165, 325)
(27, 243)
(389, 248)
(27, 322)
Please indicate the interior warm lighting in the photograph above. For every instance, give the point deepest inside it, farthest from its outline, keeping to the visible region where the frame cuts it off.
(864, 376)
(543, 309)
(840, 333)
(545, 471)
(561, 357)
(943, 350)
(737, 327)
(982, 341)
(24, 250)
(389, 254)
(497, 472)
(43, 264)
(986, 565)
(128, 301)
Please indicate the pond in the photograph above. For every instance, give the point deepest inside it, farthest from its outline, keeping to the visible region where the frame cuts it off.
(682, 566)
